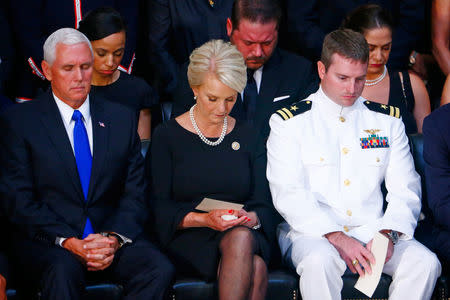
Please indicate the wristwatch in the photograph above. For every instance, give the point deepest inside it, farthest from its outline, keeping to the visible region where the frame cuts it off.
(392, 235)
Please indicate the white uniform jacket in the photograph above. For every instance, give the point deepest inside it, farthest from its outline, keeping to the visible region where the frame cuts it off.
(326, 166)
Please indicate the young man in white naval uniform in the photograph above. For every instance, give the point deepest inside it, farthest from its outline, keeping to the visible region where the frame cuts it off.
(327, 157)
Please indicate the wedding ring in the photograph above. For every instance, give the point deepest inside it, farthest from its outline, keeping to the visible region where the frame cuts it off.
(355, 262)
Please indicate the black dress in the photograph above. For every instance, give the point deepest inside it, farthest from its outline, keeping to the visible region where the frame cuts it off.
(128, 90)
(401, 96)
(185, 170)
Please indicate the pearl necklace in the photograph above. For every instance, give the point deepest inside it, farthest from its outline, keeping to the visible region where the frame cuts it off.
(200, 134)
(371, 82)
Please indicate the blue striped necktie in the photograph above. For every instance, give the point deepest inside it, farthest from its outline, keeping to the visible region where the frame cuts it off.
(84, 160)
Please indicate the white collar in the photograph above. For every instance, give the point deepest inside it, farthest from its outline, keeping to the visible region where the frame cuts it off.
(332, 107)
(66, 110)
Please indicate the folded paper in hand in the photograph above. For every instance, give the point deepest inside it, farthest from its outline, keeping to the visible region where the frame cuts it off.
(369, 283)
(209, 204)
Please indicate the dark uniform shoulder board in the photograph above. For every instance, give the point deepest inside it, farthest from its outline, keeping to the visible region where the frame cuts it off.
(294, 109)
(384, 109)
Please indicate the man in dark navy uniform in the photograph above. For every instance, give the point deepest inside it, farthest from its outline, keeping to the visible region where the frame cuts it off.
(35, 20)
(436, 153)
(276, 78)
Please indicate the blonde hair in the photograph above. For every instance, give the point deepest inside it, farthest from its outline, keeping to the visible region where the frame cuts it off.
(221, 59)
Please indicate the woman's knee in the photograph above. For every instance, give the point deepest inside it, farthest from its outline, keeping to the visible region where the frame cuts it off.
(238, 239)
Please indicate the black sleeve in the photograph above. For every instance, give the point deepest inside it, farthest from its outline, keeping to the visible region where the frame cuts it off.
(30, 38)
(260, 200)
(132, 210)
(437, 170)
(183, 97)
(168, 213)
(4, 266)
(149, 96)
(158, 25)
(303, 23)
(410, 21)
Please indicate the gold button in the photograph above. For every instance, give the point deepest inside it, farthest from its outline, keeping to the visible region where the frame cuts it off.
(346, 229)
(349, 213)
(345, 150)
(321, 159)
(347, 182)
(377, 159)
(342, 119)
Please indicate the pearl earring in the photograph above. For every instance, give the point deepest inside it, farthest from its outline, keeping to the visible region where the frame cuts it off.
(195, 97)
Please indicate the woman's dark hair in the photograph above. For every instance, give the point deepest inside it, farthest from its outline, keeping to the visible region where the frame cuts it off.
(101, 22)
(366, 17)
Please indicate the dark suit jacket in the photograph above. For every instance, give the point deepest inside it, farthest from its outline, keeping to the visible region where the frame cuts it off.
(309, 22)
(285, 74)
(436, 153)
(40, 187)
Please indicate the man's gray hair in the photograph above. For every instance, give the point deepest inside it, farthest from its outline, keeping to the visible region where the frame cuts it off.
(220, 58)
(66, 36)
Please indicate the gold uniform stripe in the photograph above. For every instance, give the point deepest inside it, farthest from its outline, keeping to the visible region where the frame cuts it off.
(391, 111)
(283, 115)
(397, 112)
(287, 112)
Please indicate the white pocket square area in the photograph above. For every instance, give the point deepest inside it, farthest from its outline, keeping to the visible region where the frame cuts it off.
(280, 98)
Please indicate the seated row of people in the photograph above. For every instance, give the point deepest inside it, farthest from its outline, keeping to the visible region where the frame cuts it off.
(73, 180)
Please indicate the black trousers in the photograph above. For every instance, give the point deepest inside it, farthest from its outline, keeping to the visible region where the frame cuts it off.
(142, 270)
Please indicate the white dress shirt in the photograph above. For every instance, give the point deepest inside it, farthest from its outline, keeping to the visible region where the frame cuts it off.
(66, 112)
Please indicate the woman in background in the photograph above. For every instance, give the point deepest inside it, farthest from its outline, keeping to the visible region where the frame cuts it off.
(404, 89)
(105, 28)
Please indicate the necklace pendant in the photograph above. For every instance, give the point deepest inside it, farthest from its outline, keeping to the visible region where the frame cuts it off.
(342, 119)
(211, 2)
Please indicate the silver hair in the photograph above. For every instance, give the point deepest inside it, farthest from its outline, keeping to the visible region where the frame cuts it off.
(220, 58)
(66, 36)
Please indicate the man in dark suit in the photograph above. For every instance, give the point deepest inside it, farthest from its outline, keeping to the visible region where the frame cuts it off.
(72, 184)
(309, 22)
(436, 153)
(35, 20)
(275, 78)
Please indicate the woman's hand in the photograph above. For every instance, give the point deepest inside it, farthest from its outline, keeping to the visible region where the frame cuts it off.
(251, 215)
(214, 220)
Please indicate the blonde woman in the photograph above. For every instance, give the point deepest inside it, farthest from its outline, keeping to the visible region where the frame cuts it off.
(205, 153)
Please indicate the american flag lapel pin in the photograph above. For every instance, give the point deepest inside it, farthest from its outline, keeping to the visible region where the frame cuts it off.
(101, 124)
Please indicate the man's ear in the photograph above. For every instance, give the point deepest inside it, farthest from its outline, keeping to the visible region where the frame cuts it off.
(321, 70)
(229, 27)
(47, 70)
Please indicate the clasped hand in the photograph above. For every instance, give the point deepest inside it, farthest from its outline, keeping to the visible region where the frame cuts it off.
(215, 221)
(95, 251)
(350, 249)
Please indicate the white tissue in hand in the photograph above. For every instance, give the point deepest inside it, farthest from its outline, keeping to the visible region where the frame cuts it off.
(229, 217)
